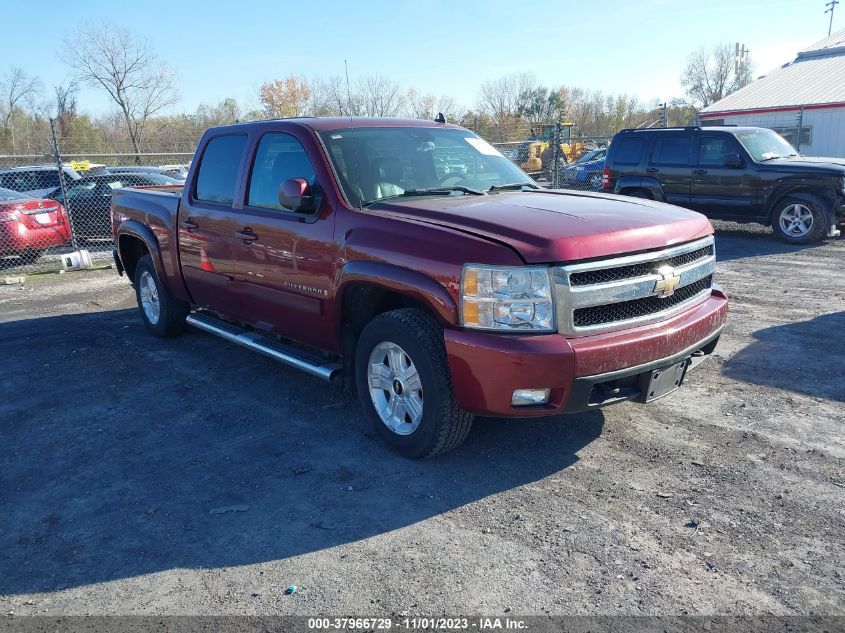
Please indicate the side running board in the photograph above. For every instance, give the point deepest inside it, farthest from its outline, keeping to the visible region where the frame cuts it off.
(266, 345)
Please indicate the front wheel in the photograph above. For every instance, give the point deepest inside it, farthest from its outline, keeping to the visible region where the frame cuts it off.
(404, 385)
(798, 221)
(163, 315)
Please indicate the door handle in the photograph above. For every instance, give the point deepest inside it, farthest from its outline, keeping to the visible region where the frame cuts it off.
(651, 170)
(247, 235)
(189, 224)
(699, 172)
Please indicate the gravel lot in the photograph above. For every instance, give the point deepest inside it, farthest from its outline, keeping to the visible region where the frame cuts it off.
(141, 476)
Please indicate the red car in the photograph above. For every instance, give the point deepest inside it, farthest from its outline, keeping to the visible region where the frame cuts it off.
(28, 225)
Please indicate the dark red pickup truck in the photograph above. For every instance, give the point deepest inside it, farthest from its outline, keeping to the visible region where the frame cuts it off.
(414, 261)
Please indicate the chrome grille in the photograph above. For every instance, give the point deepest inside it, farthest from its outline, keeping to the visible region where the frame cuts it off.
(605, 275)
(616, 293)
(612, 312)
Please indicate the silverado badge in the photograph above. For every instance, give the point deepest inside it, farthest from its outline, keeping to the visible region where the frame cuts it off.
(669, 280)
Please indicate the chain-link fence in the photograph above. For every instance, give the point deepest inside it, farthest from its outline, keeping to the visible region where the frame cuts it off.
(55, 208)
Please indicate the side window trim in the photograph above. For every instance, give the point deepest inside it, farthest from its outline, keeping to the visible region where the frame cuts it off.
(194, 200)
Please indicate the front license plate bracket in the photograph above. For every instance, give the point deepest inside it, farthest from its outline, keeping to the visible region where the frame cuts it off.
(663, 380)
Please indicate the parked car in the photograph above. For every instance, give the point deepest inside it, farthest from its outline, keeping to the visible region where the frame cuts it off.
(36, 180)
(180, 172)
(586, 171)
(29, 225)
(339, 250)
(743, 174)
(89, 199)
(171, 171)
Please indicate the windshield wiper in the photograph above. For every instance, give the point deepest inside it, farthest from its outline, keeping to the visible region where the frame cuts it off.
(763, 160)
(430, 191)
(513, 186)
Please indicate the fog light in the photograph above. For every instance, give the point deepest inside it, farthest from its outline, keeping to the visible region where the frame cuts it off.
(526, 397)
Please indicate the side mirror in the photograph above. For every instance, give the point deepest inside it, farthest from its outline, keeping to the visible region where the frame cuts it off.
(295, 194)
(732, 160)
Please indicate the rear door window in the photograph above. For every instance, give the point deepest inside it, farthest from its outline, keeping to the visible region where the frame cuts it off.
(671, 150)
(219, 167)
(628, 150)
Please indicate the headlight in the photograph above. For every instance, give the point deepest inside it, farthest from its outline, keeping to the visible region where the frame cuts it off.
(507, 298)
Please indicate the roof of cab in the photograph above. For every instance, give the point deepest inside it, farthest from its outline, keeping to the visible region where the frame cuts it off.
(320, 124)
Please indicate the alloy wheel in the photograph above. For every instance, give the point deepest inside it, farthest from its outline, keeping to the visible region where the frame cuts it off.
(395, 388)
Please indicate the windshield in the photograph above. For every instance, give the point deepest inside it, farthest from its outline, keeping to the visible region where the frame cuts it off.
(393, 160)
(765, 144)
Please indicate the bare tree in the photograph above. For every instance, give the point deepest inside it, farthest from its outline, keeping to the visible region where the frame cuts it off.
(711, 75)
(65, 106)
(110, 57)
(379, 96)
(428, 106)
(16, 88)
(505, 97)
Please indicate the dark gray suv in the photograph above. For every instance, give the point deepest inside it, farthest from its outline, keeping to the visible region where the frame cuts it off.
(743, 174)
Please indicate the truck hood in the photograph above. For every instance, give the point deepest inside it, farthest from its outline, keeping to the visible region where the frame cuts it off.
(807, 164)
(557, 226)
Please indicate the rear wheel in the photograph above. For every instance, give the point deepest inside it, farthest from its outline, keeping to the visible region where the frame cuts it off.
(798, 221)
(639, 193)
(163, 315)
(404, 385)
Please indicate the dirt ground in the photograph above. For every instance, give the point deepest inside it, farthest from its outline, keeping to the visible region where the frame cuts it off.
(186, 476)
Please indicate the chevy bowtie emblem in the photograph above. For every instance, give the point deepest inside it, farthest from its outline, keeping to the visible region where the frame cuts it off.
(669, 280)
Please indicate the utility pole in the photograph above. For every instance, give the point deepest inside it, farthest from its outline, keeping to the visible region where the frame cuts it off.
(664, 118)
(57, 154)
(741, 58)
(831, 6)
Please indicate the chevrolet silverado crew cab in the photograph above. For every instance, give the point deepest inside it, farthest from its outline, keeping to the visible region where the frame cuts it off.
(742, 174)
(412, 261)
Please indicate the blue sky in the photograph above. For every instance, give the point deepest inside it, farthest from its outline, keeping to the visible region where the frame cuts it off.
(223, 49)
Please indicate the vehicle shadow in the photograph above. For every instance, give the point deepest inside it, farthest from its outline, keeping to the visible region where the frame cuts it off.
(781, 356)
(125, 455)
(742, 241)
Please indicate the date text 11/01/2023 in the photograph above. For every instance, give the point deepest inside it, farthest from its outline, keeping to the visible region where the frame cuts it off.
(416, 623)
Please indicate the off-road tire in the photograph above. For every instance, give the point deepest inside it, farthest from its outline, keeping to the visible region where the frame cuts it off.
(172, 311)
(818, 229)
(443, 425)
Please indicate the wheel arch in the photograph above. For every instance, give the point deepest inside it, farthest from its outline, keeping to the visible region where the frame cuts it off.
(370, 288)
(134, 240)
(821, 198)
(630, 183)
(367, 289)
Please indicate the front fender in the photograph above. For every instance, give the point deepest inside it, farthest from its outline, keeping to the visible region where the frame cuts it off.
(652, 185)
(411, 283)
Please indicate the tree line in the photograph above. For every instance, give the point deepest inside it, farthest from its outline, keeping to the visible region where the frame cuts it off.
(143, 89)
